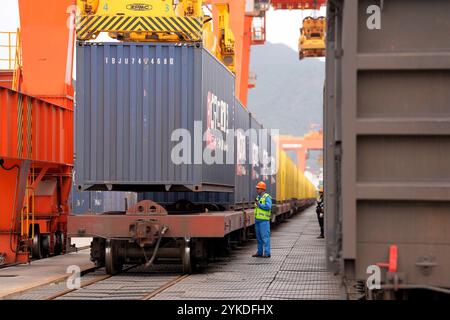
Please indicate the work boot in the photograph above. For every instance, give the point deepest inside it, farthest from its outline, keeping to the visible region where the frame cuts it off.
(320, 237)
(256, 255)
(265, 256)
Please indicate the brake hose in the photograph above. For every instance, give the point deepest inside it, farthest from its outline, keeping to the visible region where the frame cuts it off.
(161, 234)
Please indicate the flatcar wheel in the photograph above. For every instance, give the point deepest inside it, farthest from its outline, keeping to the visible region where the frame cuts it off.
(36, 250)
(58, 246)
(45, 245)
(186, 256)
(113, 262)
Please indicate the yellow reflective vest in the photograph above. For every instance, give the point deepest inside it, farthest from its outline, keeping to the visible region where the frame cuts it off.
(261, 213)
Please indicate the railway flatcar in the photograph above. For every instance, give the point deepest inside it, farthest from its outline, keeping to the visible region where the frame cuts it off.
(161, 119)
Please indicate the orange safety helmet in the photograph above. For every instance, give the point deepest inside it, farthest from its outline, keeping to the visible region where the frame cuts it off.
(261, 185)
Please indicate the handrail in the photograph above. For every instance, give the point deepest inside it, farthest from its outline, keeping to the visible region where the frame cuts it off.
(8, 40)
(11, 55)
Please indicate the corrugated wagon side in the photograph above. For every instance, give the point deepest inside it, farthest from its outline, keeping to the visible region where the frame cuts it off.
(387, 125)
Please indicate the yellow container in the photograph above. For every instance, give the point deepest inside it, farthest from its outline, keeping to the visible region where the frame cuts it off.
(291, 182)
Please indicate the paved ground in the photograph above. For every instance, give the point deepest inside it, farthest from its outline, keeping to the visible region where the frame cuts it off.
(25, 276)
(296, 269)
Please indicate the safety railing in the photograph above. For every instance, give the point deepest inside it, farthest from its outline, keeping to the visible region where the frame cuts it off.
(259, 30)
(11, 55)
(252, 78)
(8, 47)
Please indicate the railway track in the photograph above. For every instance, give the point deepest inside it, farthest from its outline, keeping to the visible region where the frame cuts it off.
(297, 270)
(133, 283)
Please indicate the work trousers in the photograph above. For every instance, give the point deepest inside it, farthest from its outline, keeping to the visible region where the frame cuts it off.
(320, 219)
(262, 229)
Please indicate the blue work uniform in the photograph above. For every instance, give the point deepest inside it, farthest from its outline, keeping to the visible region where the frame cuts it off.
(263, 206)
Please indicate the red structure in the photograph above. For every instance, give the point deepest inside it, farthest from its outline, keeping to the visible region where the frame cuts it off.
(36, 135)
(302, 145)
(249, 28)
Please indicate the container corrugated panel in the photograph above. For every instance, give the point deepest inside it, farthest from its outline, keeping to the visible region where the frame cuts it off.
(99, 201)
(130, 99)
(35, 129)
(248, 147)
(242, 154)
(260, 152)
(254, 150)
(79, 201)
(272, 154)
(222, 198)
(108, 201)
(244, 183)
(291, 183)
(281, 176)
(387, 131)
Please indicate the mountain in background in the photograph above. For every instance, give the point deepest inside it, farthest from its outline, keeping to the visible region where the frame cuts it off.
(289, 92)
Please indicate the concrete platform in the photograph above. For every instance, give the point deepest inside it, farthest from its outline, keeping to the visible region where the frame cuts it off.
(17, 279)
(81, 242)
(296, 270)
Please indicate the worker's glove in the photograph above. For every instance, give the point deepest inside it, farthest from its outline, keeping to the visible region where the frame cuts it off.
(321, 215)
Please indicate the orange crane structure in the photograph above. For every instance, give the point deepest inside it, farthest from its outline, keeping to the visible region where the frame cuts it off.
(302, 145)
(248, 23)
(36, 133)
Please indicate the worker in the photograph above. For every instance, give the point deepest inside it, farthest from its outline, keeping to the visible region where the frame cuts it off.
(263, 205)
(320, 213)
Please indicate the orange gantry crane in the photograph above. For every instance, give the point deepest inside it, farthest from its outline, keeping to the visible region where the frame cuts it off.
(36, 133)
(302, 145)
(248, 23)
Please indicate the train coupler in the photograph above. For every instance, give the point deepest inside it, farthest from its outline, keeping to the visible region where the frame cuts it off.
(146, 232)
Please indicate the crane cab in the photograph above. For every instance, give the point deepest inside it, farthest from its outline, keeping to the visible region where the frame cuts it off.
(312, 37)
(147, 20)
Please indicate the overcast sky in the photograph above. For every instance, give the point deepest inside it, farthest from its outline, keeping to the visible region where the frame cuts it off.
(9, 15)
(282, 25)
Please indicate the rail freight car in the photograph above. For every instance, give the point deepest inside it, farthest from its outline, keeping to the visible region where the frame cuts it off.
(387, 129)
(162, 118)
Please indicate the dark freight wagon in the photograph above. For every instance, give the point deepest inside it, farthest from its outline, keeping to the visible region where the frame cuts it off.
(387, 132)
(142, 111)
